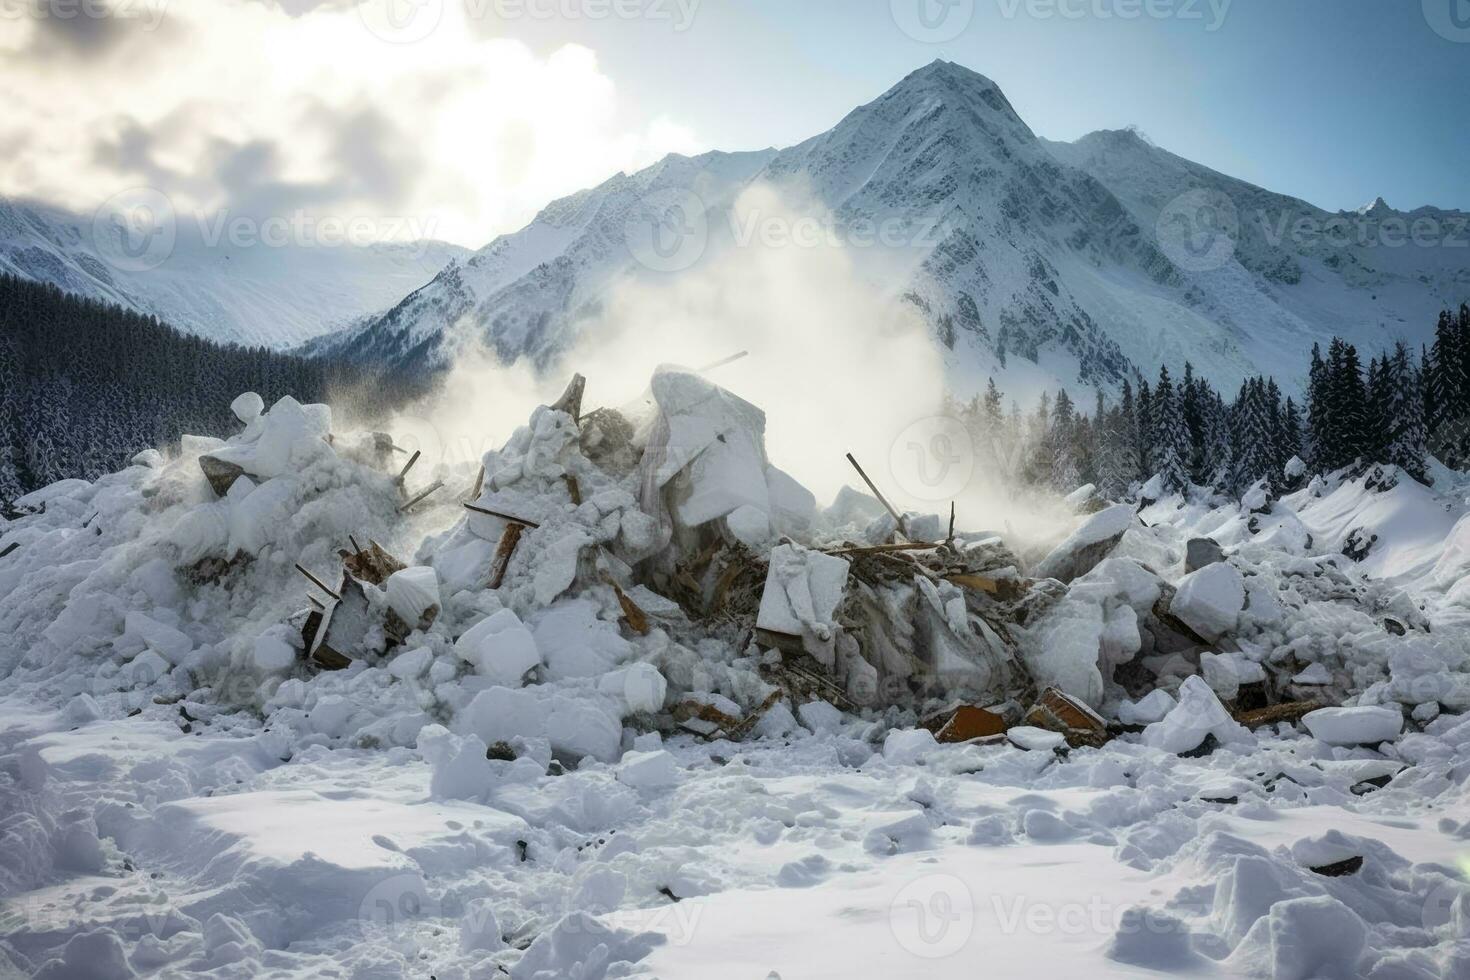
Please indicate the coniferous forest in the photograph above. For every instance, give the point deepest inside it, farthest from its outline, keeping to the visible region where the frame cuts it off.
(1399, 408)
(85, 385)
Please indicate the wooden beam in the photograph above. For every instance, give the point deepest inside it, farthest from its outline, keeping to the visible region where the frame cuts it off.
(503, 553)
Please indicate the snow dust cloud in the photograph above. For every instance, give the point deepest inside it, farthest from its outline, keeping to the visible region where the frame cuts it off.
(837, 365)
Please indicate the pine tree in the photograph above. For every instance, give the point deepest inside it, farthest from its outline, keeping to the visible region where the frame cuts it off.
(1317, 413)
(1406, 442)
(1170, 436)
(1062, 446)
(1219, 446)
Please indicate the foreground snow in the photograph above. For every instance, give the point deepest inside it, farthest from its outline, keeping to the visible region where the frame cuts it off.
(181, 793)
(808, 855)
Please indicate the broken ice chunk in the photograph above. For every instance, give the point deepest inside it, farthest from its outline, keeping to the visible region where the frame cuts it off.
(802, 592)
(1198, 714)
(500, 648)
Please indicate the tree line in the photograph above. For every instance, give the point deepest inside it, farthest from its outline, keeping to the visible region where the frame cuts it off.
(1398, 409)
(85, 385)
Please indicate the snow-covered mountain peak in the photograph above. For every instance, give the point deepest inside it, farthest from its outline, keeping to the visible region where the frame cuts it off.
(1040, 263)
(1378, 208)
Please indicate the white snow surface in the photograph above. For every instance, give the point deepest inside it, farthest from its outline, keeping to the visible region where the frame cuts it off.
(181, 795)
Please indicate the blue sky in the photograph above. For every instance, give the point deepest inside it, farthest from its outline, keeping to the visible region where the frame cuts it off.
(1334, 101)
(468, 116)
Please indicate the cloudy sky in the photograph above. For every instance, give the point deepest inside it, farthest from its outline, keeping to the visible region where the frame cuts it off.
(465, 116)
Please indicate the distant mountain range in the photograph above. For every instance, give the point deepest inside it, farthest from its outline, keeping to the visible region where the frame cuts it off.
(1042, 263)
(193, 277)
(1038, 262)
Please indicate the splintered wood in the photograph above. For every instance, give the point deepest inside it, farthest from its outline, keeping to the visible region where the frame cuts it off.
(371, 564)
(503, 552)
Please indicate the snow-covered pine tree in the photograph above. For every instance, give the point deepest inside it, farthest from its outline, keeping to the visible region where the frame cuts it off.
(1218, 451)
(1291, 443)
(1316, 428)
(10, 403)
(1170, 436)
(1407, 440)
(1143, 429)
(1347, 404)
(1378, 416)
(1254, 458)
(1062, 446)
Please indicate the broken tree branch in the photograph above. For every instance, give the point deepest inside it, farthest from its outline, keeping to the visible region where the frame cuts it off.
(437, 485)
(318, 582)
(504, 517)
(571, 399)
(902, 526)
(723, 361)
(408, 465)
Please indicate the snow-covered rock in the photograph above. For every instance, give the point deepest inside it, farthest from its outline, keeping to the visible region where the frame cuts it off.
(1210, 600)
(1088, 545)
(648, 770)
(412, 592)
(1198, 714)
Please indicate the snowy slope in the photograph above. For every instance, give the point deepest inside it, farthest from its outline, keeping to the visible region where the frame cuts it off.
(1036, 261)
(258, 295)
(522, 291)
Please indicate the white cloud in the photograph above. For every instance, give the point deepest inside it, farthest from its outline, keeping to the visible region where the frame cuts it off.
(239, 104)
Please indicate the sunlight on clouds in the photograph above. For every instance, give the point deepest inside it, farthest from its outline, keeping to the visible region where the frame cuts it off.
(236, 104)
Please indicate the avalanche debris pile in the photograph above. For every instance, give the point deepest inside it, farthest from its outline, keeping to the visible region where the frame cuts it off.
(608, 580)
(651, 569)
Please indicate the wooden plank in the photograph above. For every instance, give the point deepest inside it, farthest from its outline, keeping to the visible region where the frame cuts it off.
(977, 582)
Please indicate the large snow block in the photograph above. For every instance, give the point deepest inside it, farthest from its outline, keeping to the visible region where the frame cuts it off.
(803, 590)
(716, 440)
(1088, 545)
(1210, 600)
(1363, 725)
(500, 648)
